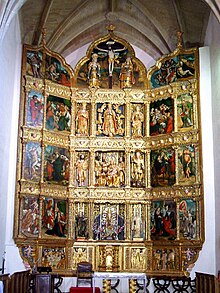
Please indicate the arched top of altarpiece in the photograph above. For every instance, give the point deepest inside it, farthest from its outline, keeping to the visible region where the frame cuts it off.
(179, 65)
(112, 53)
(42, 63)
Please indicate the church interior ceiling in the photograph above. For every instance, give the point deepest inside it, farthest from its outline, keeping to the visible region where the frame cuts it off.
(109, 163)
(149, 25)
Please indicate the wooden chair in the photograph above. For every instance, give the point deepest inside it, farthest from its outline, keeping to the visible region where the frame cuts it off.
(84, 272)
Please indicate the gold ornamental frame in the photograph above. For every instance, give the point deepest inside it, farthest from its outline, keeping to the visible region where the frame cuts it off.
(125, 193)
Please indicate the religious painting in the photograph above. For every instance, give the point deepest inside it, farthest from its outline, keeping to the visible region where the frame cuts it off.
(82, 119)
(163, 220)
(109, 222)
(110, 120)
(138, 222)
(138, 258)
(56, 165)
(187, 164)
(35, 109)
(81, 221)
(110, 169)
(54, 257)
(137, 120)
(161, 117)
(163, 167)
(56, 72)
(32, 161)
(165, 259)
(54, 218)
(180, 67)
(188, 219)
(82, 169)
(58, 115)
(34, 64)
(137, 169)
(184, 112)
(29, 225)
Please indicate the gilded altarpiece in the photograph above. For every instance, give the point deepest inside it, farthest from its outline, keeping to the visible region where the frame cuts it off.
(109, 161)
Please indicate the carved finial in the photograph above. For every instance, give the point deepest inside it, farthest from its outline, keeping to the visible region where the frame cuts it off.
(110, 28)
(43, 34)
(179, 39)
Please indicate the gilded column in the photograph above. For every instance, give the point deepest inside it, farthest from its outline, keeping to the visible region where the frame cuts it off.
(147, 120)
(42, 198)
(196, 156)
(127, 169)
(148, 236)
(128, 221)
(73, 112)
(175, 113)
(148, 168)
(177, 221)
(176, 149)
(91, 219)
(106, 286)
(127, 116)
(93, 115)
(132, 286)
(71, 211)
(92, 168)
(72, 178)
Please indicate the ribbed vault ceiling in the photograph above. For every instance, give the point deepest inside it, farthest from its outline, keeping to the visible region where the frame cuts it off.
(149, 25)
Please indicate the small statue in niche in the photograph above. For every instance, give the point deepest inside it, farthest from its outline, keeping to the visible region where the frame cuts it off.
(110, 122)
(126, 76)
(137, 120)
(81, 170)
(94, 72)
(137, 224)
(137, 169)
(138, 258)
(82, 121)
(109, 258)
(81, 224)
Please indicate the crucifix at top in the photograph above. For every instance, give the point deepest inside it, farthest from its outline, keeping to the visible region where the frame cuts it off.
(112, 56)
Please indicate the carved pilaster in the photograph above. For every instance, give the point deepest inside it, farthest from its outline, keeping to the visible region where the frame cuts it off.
(148, 205)
(92, 168)
(41, 200)
(93, 118)
(128, 213)
(127, 168)
(147, 167)
(127, 120)
(146, 122)
(71, 220)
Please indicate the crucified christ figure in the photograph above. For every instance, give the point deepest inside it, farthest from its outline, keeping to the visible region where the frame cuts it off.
(111, 55)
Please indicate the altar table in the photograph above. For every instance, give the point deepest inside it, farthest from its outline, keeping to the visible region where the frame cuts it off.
(115, 276)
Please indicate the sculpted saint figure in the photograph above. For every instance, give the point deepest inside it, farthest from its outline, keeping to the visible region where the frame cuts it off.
(94, 72)
(137, 119)
(82, 118)
(81, 167)
(126, 75)
(137, 171)
(110, 122)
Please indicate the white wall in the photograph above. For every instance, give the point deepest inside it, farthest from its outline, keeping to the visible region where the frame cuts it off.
(213, 40)
(10, 60)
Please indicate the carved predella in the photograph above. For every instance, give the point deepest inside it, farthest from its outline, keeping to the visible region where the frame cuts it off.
(109, 161)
